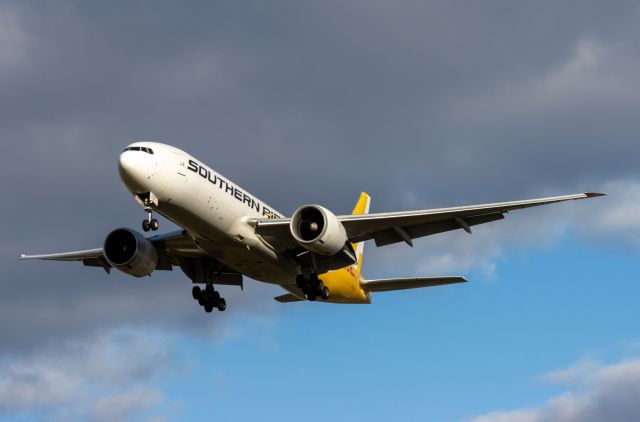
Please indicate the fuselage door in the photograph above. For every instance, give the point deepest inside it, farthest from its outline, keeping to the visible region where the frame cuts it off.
(181, 162)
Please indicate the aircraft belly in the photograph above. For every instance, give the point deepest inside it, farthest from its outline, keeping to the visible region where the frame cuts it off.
(216, 221)
(251, 262)
(224, 236)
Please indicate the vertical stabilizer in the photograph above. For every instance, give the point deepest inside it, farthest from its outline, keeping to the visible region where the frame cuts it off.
(362, 207)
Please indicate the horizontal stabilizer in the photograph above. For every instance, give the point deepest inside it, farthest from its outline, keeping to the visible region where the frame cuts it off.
(389, 284)
(288, 298)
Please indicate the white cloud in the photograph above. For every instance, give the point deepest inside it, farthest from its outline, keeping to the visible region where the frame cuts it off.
(120, 407)
(458, 252)
(598, 393)
(610, 221)
(113, 375)
(616, 218)
(80, 377)
(574, 373)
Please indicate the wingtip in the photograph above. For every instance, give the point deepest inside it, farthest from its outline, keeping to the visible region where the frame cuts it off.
(594, 194)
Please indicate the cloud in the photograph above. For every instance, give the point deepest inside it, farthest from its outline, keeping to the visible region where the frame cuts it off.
(123, 406)
(575, 373)
(13, 40)
(303, 103)
(458, 252)
(616, 219)
(81, 376)
(422, 104)
(116, 374)
(598, 393)
(612, 221)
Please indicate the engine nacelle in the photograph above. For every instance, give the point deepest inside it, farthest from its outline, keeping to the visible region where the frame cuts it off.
(130, 252)
(318, 230)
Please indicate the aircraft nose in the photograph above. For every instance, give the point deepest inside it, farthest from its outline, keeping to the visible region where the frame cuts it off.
(133, 169)
(125, 164)
(128, 165)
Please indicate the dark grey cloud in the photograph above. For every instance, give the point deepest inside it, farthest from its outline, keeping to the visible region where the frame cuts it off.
(420, 103)
(250, 85)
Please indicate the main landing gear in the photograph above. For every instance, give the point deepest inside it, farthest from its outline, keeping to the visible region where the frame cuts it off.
(150, 223)
(209, 298)
(312, 286)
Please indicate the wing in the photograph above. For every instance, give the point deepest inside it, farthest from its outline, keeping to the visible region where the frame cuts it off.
(392, 227)
(89, 257)
(169, 245)
(389, 284)
(174, 249)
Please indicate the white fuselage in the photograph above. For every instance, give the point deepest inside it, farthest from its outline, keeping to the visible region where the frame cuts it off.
(213, 210)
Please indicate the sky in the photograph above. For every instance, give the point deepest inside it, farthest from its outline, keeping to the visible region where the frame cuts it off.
(420, 103)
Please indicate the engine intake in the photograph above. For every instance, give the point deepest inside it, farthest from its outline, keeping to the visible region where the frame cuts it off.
(318, 230)
(130, 252)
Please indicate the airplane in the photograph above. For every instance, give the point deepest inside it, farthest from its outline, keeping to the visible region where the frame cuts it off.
(227, 233)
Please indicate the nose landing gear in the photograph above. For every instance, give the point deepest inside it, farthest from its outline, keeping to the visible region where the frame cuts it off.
(209, 298)
(148, 200)
(150, 223)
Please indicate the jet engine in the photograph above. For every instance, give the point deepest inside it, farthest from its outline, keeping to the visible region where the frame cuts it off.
(318, 230)
(130, 252)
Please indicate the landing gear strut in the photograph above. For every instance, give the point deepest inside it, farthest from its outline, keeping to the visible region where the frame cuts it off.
(312, 286)
(150, 223)
(209, 298)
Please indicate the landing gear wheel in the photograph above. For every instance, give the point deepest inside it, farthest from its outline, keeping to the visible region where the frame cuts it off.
(209, 298)
(153, 224)
(146, 226)
(325, 293)
(222, 305)
(196, 292)
(313, 279)
(311, 296)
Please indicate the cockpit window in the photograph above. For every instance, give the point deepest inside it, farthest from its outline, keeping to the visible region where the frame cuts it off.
(143, 149)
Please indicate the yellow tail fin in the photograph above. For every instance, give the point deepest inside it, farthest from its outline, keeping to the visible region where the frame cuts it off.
(362, 207)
